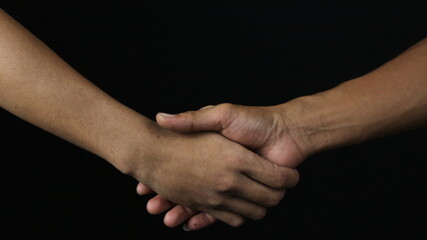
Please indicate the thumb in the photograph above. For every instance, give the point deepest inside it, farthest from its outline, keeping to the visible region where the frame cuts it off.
(209, 118)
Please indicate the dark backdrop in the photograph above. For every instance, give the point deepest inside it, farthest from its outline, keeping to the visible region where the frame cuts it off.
(174, 56)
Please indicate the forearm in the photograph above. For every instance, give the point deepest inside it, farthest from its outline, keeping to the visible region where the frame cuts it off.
(203, 171)
(39, 87)
(390, 99)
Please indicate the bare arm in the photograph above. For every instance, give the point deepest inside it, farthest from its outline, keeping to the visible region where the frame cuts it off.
(38, 86)
(388, 100)
(204, 171)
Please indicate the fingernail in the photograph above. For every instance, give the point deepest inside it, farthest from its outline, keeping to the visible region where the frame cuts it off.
(185, 227)
(166, 114)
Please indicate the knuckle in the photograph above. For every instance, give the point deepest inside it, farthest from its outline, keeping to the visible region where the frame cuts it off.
(280, 180)
(227, 184)
(192, 116)
(216, 201)
(190, 113)
(225, 107)
(227, 112)
(277, 177)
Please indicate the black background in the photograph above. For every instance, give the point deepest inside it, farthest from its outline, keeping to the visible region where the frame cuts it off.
(173, 56)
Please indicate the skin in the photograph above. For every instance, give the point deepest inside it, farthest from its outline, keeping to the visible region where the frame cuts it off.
(202, 171)
(386, 101)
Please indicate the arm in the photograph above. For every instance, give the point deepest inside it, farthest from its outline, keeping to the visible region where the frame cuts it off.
(204, 171)
(388, 100)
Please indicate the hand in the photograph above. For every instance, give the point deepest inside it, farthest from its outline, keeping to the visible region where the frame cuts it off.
(209, 173)
(204, 171)
(265, 130)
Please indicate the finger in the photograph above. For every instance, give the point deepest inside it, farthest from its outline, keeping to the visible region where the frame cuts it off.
(173, 217)
(245, 208)
(141, 189)
(158, 204)
(210, 118)
(199, 221)
(257, 192)
(227, 217)
(271, 174)
(177, 215)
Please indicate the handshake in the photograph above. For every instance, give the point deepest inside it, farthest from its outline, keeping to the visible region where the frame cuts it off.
(234, 182)
(226, 162)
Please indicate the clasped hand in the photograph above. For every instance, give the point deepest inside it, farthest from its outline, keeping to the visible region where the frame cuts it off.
(264, 130)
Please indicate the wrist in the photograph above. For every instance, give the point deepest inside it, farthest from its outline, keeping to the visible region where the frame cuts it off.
(130, 144)
(322, 121)
(300, 126)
